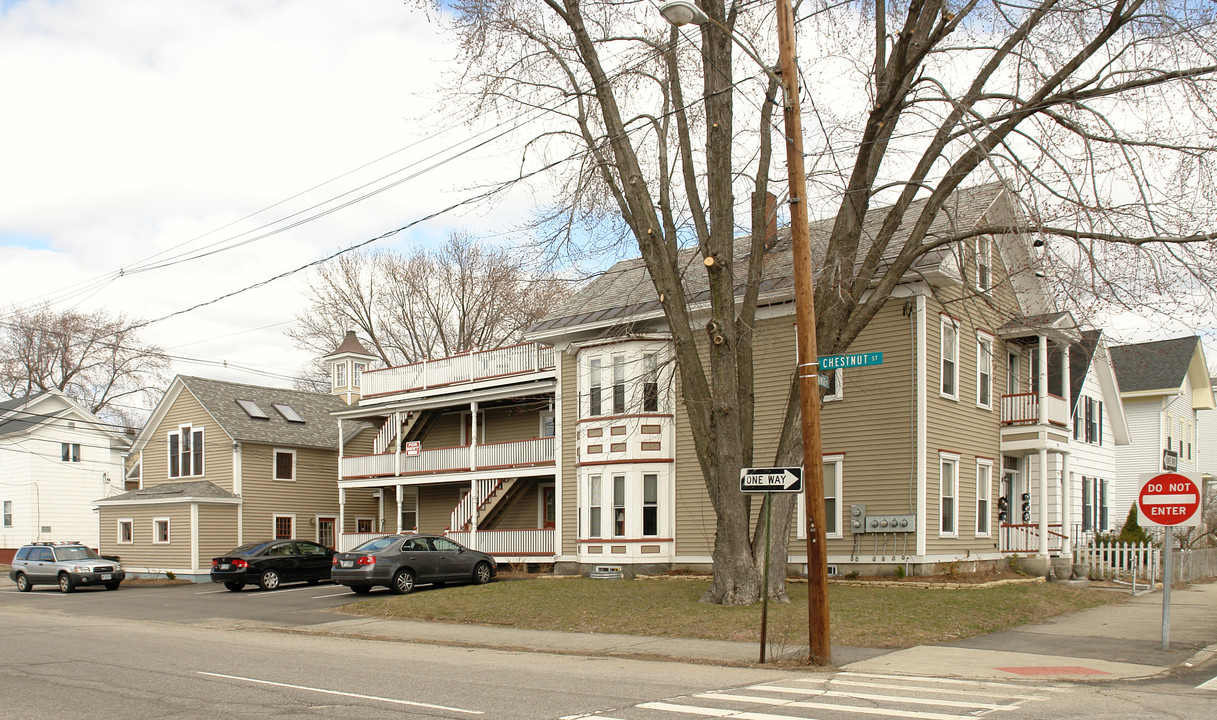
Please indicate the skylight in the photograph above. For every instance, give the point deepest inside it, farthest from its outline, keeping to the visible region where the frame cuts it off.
(251, 409)
(289, 414)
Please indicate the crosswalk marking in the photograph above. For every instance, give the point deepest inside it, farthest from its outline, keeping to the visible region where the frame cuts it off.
(875, 696)
(845, 695)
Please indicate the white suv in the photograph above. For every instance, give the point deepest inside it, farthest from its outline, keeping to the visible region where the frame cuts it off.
(66, 564)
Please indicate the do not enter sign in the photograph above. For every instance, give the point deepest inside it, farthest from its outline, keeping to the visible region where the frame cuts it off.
(1170, 499)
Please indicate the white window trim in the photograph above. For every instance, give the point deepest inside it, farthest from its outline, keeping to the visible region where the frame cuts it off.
(953, 458)
(340, 379)
(6, 514)
(541, 503)
(274, 464)
(274, 523)
(801, 502)
(839, 391)
(984, 463)
(543, 415)
(945, 320)
(984, 338)
(631, 354)
(984, 248)
(118, 531)
(156, 521)
(357, 374)
(169, 453)
(371, 520)
(633, 500)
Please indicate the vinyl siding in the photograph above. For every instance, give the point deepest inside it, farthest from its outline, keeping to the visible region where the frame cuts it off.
(1143, 454)
(568, 405)
(313, 492)
(508, 423)
(143, 553)
(361, 444)
(217, 445)
(435, 505)
(217, 532)
(523, 510)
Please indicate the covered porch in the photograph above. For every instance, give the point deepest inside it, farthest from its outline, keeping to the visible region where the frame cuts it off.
(506, 515)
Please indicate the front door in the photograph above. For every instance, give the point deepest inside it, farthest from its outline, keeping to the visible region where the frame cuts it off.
(549, 507)
(325, 531)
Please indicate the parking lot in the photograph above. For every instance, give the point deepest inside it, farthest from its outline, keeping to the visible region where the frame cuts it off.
(201, 603)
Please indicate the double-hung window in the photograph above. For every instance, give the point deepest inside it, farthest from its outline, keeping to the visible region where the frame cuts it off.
(160, 530)
(650, 505)
(984, 371)
(126, 531)
(948, 494)
(618, 506)
(285, 527)
(594, 508)
(650, 383)
(340, 375)
(949, 349)
(8, 513)
(358, 374)
(984, 488)
(69, 452)
(285, 464)
(984, 263)
(832, 496)
(594, 387)
(618, 384)
(186, 452)
(1094, 420)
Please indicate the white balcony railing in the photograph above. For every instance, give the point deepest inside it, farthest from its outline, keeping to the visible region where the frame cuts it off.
(463, 368)
(1025, 538)
(1023, 409)
(508, 542)
(521, 453)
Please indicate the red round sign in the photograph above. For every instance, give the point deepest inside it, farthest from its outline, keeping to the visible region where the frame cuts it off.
(1169, 499)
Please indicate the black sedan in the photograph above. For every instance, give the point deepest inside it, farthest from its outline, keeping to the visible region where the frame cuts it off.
(399, 561)
(270, 563)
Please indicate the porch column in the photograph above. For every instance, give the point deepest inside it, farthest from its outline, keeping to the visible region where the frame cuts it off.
(1041, 372)
(380, 510)
(342, 515)
(473, 435)
(1066, 507)
(1043, 499)
(473, 516)
(400, 492)
(397, 447)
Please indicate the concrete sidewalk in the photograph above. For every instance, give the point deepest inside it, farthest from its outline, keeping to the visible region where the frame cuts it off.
(1104, 643)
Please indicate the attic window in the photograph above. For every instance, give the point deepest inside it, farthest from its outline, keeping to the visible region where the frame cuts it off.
(289, 414)
(251, 409)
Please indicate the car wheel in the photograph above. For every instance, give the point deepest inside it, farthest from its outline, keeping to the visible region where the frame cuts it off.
(112, 585)
(403, 581)
(66, 584)
(234, 586)
(481, 573)
(361, 589)
(23, 583)
(269, 580)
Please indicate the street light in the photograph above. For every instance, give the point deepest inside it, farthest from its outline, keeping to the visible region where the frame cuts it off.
(682, 12)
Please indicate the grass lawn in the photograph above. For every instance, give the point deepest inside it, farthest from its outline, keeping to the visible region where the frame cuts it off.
(860, 616)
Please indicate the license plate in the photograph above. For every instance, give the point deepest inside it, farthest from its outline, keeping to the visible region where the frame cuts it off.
(106, 576)
(223, 566)
(346, 563)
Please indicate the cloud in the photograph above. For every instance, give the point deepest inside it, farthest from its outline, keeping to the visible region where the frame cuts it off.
(142, 127)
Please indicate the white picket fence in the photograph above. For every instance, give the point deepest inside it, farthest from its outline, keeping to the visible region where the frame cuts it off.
(1119, 561)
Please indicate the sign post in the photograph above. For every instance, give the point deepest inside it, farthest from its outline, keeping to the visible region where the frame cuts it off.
(768, 481)
(1169, 500)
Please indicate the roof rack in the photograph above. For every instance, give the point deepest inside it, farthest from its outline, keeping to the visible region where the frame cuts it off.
(56, 542)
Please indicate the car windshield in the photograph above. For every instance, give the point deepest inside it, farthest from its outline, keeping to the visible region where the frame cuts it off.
(375, 545)
(249, 548)
(76, 552)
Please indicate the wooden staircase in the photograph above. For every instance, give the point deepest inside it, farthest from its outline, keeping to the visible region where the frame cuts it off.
(487, 495)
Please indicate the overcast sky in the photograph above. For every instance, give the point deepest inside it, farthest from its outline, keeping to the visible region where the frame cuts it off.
(138, 129)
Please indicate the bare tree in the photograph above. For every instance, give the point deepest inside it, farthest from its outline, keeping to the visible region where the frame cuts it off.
(94, 358)
(1097, 115)
(461, 296)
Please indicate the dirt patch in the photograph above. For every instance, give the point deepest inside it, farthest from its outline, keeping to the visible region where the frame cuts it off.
(154, 582)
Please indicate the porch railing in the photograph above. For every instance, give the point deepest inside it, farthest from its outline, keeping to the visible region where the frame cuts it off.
(1023, 409)
(1120, 561)
(472, 503)
(463, 368)
(521, 453)
(1025, 538)
(508, 542)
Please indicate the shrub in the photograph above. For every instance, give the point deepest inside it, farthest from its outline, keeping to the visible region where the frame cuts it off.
(1132, 532)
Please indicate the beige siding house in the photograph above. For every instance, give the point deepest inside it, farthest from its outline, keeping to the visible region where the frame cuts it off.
(220, 464)
(914, 448)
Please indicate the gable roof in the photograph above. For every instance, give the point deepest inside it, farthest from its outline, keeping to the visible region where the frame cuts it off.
(1161, 368)
(625, 290)
(19, 415)
(219, 398)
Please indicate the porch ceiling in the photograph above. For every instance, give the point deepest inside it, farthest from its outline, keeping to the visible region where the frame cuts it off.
(467, 395)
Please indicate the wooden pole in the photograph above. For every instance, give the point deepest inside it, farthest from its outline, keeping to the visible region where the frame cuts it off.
(819, 648)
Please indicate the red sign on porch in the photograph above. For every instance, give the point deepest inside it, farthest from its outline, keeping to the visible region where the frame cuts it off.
(413, 447)
(1169, 499)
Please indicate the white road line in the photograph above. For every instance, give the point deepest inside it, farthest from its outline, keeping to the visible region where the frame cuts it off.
(914, 688)
(951, 681)
(317, 597)
(211, 592)
(272, 593)
(345, 694)
(857, 709)
(33, 594)
(1208, 685)
(881, 698)
(712, 712)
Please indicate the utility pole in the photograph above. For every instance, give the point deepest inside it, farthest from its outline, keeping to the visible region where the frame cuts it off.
(819, 647)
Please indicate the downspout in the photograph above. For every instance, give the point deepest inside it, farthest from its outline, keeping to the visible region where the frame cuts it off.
(237, 489)
(920, 410)
(194, 538)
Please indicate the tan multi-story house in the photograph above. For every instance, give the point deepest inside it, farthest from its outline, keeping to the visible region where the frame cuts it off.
(463, 446)
(917, 450)
(220, 464)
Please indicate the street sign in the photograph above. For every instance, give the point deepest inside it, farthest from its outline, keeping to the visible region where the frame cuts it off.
(1170, 500)
(837, 362)
(1170, 460)
(769, 480)
(413, 447)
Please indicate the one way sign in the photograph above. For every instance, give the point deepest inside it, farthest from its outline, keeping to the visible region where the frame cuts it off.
(764, 480)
